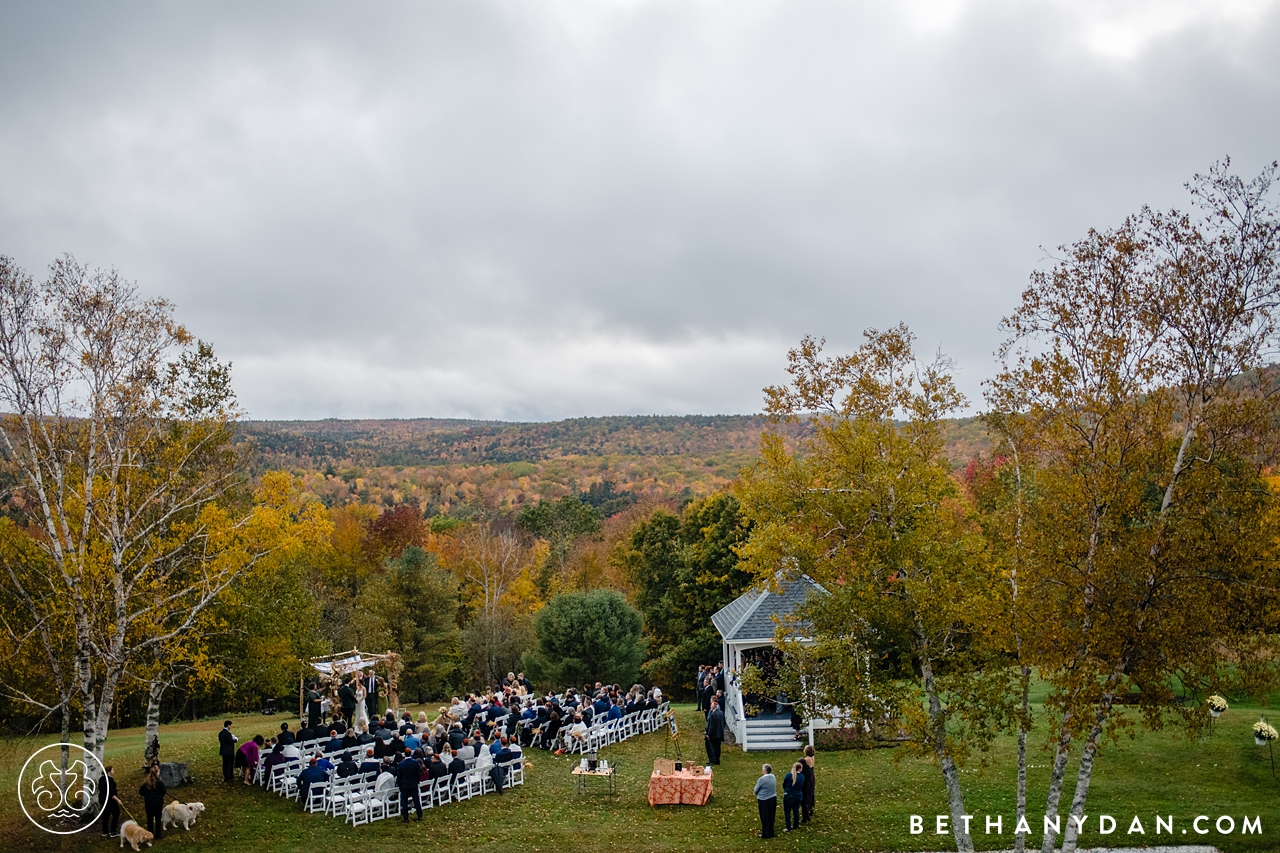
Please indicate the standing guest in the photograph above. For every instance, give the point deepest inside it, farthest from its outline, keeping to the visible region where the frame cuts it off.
(314, 704)
(408, 775)
(697, 685)
(808, 782)
(109, 795)
(714, 733)
(793, 796)
(152, 793)
(766, 791)
(347, 698)
(227, 749)
(247, 758)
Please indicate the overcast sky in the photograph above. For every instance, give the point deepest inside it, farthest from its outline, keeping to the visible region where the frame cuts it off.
(535, 210)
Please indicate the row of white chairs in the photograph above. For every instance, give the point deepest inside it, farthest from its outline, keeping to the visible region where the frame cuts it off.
(609, 732)
(357, 799)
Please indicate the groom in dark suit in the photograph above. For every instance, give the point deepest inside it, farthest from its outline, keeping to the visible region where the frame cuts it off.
(347, 698)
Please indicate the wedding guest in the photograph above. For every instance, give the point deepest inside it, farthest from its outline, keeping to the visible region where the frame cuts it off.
(809, 761)
(793, 796)
(109, 795)
(247, 758)
(152, 793)
(766, 792)
(227, 749)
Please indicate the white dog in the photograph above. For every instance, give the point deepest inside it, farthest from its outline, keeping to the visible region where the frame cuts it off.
(134, 834)
(180, 813)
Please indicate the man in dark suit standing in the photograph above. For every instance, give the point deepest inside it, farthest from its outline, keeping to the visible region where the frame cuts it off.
(347, 697)
(227, 749)
(371, 695)
(408, 775)
(714, 733)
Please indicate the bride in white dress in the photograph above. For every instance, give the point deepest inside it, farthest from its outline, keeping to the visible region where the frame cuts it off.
(361, 719)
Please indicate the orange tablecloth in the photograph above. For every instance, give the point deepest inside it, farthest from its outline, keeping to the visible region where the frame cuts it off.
(684, 787)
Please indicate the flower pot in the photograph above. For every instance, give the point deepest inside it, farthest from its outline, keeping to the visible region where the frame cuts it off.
(1260, 741)
(1214, 714)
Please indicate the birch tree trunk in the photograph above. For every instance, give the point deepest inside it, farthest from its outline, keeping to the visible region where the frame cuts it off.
(938, 725)
(155, 692)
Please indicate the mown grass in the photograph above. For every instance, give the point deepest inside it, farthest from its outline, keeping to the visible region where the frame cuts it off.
(864, 800)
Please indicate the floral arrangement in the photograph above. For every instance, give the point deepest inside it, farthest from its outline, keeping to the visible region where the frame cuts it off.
(1217, 703)
(1264, 731)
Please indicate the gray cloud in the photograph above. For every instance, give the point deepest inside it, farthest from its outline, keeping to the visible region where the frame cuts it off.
(538, 210)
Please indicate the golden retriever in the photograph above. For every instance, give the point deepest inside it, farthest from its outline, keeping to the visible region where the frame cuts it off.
(134, 834)
(180, 813)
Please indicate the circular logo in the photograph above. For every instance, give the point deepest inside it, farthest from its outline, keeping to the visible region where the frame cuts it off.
(58, 788)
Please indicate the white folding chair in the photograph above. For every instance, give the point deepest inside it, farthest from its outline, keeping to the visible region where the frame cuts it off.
(516, 776)
(317, 795)
(424, 794)
(462, 787)
(441, 792)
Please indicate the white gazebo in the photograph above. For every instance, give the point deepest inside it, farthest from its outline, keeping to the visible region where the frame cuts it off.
(749, 622)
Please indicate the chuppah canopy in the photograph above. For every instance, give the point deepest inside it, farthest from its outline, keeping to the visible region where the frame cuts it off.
(335, 665)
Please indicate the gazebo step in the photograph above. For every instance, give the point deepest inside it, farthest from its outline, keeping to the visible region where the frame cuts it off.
(772, 745)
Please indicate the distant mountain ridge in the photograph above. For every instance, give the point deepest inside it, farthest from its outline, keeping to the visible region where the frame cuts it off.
(446, 441)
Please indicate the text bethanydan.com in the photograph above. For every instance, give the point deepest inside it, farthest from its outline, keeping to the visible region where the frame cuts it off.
(1102, 824)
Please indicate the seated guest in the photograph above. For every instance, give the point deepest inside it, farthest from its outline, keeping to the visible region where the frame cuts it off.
(351, 739)
(466, 752)
(457, 708)
(291, 751)
(339, 725)
(285, 737)
(504, 758)
(436, 769)
(422, 726)
(495, 747)
(386, 779)
(615, 712)
(347, 767)
(390, 718)
(512, 746)
(396, 745)
(364, 738)
(578, 729)
(456, 766)
(335, 742)
(552, 729)
(411, 740)
(309, 776)
(370, 764)
(306, 734)
(455, 736)
(484, 757)
(323, 762)
(382, 749)
(276, 758)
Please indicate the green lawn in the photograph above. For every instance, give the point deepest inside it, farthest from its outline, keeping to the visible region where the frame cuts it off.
(864, 800)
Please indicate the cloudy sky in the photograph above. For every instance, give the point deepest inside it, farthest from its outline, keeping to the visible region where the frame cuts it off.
(534, 210)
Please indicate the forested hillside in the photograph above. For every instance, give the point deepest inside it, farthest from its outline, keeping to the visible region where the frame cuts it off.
(452, 466)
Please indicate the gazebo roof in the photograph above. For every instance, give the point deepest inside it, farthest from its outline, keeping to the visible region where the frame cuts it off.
(750, 617)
